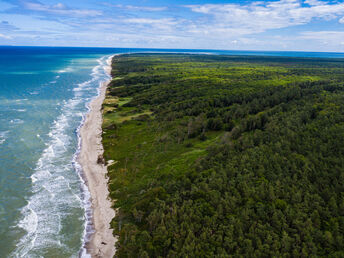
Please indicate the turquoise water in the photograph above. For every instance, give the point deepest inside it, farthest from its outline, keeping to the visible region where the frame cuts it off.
(44, 92)
(43, 98)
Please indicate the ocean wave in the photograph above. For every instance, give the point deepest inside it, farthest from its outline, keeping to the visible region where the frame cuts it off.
(56, 192)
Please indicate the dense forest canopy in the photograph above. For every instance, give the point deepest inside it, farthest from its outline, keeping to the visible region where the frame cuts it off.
(218, 156)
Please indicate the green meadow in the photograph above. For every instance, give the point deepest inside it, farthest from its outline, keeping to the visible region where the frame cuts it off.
(218, 156)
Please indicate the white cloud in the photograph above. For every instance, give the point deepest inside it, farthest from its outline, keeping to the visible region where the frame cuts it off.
(166, 21)
(5, 36)
(233, 26)
(6, 26)
(218, 26)
(330, 36)
(140, 8)
(261, 16)
(60, 9)
(150, 26)
(314, 2)
(327, 39)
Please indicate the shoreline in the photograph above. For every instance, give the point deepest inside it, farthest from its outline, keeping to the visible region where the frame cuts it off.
(101, 242)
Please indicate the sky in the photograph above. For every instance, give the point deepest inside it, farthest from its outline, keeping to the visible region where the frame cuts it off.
(277, 25)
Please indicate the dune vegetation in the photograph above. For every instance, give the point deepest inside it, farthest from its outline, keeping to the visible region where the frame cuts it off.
(226, 155)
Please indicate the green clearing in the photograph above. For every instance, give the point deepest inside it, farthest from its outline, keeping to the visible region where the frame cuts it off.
(221, 156)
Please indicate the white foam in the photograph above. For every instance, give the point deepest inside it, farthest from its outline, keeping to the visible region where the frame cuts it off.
(29, 223)
(57, 77)
(16, 121)
(66, 70)
(53, 199)
(33, 179)
(88, 229)
(3, 136)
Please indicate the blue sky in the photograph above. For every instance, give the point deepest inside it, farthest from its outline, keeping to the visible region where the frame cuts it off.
(299, 25)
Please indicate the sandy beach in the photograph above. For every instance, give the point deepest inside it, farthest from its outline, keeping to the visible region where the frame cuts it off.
(102, 242)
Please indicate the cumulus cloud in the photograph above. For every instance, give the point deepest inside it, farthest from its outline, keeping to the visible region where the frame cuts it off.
(261, 16)
(241, 24)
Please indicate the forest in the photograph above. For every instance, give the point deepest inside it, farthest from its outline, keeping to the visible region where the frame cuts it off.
(226, 156)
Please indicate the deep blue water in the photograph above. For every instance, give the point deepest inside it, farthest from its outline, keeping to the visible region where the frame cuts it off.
(44, 93)
(12, 50)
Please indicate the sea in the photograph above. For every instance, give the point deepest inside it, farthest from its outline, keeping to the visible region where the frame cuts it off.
(44, 95)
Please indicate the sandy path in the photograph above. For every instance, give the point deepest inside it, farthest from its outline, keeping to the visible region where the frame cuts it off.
(102, 243)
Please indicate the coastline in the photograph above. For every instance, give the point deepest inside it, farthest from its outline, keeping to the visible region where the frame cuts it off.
(101, 242)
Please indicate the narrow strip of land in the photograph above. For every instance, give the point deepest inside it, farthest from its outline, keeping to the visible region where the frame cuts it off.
(102, 243)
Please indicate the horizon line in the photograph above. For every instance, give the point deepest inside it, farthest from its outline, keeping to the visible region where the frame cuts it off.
(245, 50)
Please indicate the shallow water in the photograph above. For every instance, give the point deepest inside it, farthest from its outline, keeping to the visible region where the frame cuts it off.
(43, 99)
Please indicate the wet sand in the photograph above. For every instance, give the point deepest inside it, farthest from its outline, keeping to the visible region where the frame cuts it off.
(102, 242)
